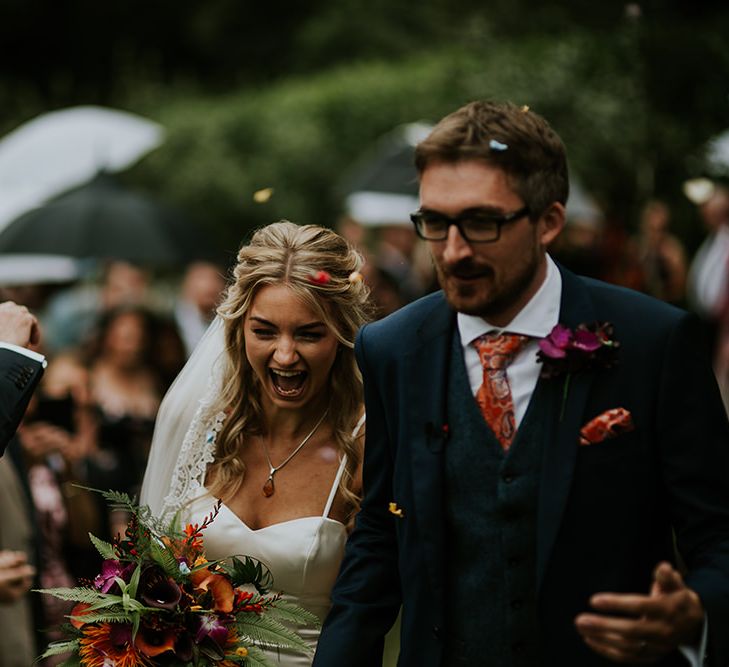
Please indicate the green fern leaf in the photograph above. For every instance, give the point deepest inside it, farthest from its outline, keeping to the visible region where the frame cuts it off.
(107, 616)
(249, 570)
(104, 548)
(165, 559)
(56, 648)
(268, 632)
(87, 595)
(288, 611)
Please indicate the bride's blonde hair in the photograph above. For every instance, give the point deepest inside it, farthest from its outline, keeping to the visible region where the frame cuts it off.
(321, 268)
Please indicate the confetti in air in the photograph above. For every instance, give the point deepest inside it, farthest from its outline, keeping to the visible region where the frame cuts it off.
(262, 196)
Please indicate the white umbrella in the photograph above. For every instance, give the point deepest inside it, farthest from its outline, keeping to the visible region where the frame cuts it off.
(717, 153)
(61, 149)
(582, 209)
(37, 269)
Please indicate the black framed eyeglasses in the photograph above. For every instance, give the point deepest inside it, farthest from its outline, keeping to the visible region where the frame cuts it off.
(475, 226)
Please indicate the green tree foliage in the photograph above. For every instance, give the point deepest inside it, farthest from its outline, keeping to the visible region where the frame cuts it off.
(301, 135)
(287, 95)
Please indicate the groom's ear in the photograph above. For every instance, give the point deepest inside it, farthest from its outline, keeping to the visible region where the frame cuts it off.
(551, 223)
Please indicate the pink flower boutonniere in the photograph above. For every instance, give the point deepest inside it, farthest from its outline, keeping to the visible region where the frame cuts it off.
(566, 351)
(587, 347)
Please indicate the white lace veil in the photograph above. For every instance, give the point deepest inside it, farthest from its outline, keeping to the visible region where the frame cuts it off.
(184, 434)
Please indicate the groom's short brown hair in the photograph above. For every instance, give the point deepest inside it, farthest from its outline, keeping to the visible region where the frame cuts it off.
(512, 138)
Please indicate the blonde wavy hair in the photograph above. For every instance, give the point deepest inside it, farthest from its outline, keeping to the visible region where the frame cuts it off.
(286, 253)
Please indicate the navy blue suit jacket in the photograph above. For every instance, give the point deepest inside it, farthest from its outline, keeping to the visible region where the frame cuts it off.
(19, 376)
(608, 513)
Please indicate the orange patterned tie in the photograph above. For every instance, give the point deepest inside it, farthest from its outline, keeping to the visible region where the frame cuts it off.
(496, 352)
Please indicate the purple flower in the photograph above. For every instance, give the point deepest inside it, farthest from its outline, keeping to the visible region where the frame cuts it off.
(585, 340)
(211, 626)
(565, 351)
(158, 590)
(556, 344)
(110, 570)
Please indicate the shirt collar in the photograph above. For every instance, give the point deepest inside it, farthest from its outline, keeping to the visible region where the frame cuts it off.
(535, 320)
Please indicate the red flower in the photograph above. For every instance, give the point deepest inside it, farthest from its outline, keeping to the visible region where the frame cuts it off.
(320, 278)
(242, 602)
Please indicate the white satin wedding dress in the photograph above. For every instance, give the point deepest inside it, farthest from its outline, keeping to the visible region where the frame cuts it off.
(303, 555)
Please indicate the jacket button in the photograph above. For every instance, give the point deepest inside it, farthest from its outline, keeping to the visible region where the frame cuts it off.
(436, 632)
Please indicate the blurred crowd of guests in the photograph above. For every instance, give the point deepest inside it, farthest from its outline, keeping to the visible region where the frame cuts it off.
(115, 345)
(112, 349)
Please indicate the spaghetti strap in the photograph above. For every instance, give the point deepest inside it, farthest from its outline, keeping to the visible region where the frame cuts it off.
(335, 486)
(340, 472)
(359, 425)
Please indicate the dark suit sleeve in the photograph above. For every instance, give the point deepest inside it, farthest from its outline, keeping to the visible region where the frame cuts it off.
(694, 436)
(366, 597)
(19, 376)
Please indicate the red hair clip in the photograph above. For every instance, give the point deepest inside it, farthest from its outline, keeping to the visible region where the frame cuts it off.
(320, 278)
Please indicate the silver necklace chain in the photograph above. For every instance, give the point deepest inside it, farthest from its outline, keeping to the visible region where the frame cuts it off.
(268, 487)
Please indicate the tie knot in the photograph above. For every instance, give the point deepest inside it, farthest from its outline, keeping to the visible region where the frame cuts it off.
(497, 351)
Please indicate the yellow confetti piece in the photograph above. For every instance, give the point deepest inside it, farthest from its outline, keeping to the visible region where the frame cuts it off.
(525, 108)
(262, 196)
(394, 509)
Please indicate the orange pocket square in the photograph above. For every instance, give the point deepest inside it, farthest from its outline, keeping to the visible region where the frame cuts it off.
(605, 426)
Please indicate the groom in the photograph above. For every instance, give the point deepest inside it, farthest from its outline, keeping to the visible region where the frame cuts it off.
(524, 509)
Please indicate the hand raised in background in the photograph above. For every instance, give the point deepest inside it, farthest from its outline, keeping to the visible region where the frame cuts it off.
(17, 325)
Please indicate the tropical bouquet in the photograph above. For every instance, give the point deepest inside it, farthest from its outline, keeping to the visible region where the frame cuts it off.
(158, 601)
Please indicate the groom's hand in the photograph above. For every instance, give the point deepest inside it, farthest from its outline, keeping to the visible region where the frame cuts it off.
(644, 628)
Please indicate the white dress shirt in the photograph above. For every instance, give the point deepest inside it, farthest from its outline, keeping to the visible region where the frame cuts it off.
(535, 320)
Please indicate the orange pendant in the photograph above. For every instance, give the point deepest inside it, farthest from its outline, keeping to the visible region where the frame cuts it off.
(268, 487)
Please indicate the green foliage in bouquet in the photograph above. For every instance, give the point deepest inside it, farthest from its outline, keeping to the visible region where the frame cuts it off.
(158, 601)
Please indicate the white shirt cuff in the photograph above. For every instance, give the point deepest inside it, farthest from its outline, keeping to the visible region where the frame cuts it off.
(697, 654)
(25, 352)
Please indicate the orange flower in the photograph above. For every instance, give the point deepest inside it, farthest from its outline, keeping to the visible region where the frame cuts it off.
(151, 641)
(78, 610)
(104, 644)
(194, 537)
(218, 585)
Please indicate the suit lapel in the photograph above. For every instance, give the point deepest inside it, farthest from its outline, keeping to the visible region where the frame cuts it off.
(427, 374)
(560, 449)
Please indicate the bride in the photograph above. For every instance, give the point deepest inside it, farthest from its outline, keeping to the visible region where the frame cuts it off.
(277, 434)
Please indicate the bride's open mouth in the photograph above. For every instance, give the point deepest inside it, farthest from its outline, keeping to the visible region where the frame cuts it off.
(288, 384)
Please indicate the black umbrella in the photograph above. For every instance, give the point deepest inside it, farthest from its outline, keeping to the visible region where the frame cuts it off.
(382, 186)
(103, 219)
